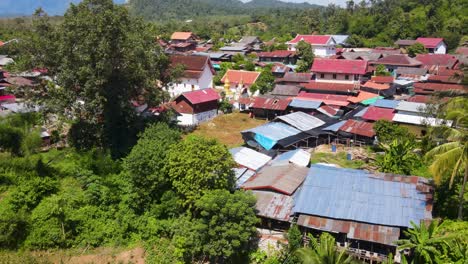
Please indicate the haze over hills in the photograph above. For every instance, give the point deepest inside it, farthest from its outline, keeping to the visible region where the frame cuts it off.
(9, 8)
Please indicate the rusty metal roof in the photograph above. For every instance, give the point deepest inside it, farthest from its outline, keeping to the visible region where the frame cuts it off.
(283, 179)
(361, 231)
(273, 205)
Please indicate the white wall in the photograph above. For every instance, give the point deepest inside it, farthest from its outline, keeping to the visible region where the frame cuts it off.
(185, 85)
(194, 119)
(441, 48)
(319, 51)
(340, 78)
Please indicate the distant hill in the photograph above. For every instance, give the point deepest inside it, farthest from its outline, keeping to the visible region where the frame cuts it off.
(185, 9)
(11, 8)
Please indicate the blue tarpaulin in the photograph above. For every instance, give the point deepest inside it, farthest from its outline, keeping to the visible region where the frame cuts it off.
(269, 134)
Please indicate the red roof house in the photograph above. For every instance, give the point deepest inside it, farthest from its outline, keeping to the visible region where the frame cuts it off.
(430, 88)
(441, 60)
(433, 45)
(331, 88)
(328, 99)
(339, 66)
(196, 106)
(312, 39)
(358, 128)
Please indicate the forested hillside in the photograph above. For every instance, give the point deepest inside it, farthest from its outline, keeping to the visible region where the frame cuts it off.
(187, 9)
(374, 23)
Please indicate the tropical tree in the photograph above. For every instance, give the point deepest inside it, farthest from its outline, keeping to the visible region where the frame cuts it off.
(415, 49)
(423, 242)
(323, 251)
(399, 157)
(306, 56)
(451, 158)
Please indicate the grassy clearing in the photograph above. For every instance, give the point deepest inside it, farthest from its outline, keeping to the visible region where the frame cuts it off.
(338, 159)
(226, 128)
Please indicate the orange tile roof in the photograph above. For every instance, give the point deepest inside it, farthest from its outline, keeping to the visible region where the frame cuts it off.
(181, 35)
(376, 86)
(236, 77)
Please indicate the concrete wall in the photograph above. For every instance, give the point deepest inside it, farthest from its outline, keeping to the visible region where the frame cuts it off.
(194, 119)
(340, 78)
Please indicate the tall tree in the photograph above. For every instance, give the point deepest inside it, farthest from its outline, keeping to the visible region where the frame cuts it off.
(451, 158)
(196, 165)
(306, 56)
(101, 59)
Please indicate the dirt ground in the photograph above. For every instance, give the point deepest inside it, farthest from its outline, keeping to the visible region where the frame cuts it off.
(96, 256)
(226, 128)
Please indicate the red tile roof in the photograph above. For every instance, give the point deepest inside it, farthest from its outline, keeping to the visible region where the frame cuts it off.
(376, 86)
(363, 95)
(340, 66)
(332, 87)
(382, 79)
(270, 103)
(429, 88)
(329, 99)
(311, 39)
(429, 43)
(181, 35)
(376, 113)
(444, 79)
(398, 60)
(358, 128)
(246, 77)
(201, 96)
(277, 54)
(443, 60)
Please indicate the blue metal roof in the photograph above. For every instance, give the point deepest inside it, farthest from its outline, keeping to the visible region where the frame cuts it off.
(360, 196)
(306, 104)
(335, 127)
(361, 113)
(385, 103)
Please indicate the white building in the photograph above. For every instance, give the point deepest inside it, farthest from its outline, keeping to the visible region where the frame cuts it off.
(322, 45)
(434, 45)
(197, 74)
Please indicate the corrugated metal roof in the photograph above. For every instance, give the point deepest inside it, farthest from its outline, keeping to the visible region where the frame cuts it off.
(249, 158)
(358, 128)
(371, 100)
(299, 157)
(335, 127)
(385, 103)
(273, 205)
(270, 103)
(368, 232)
(301, 121)
(283, 179)
(411, 107)
(358, 195)
(361, 113)
(419, 120)
(305, 104)
(377, 113)
(242, 175)
(328, 110)
(275, 130)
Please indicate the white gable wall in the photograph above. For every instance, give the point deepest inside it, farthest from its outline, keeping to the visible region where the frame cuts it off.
(441, 48)
(195, 119)
(187, 84)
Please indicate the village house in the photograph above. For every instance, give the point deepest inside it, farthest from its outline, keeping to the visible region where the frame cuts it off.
(195, 107)
(433, 45)
(392, 62)
(339, 71)
(237, 82)
(294, 78)
(246, 45)
(197, 73)
(322, 45)
(183, 41)
(283, 56)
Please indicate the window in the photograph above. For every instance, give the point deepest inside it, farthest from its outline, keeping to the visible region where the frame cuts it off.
(346, 77)
(193, 87)
(322, 76)
(334, 76)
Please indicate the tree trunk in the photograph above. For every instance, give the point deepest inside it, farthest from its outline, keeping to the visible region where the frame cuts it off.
(462, 192)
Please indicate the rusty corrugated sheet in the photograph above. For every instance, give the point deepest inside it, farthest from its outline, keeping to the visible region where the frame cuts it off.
(273, 205)
(354, 230)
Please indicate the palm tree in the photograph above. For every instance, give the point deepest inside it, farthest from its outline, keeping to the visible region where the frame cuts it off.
(323, 251)
(423, 242)
(451, 157)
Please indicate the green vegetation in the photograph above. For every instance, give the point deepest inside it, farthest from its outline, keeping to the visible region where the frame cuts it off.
(324, 251)
(306, 56)
(339, 159)
(415, 49)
